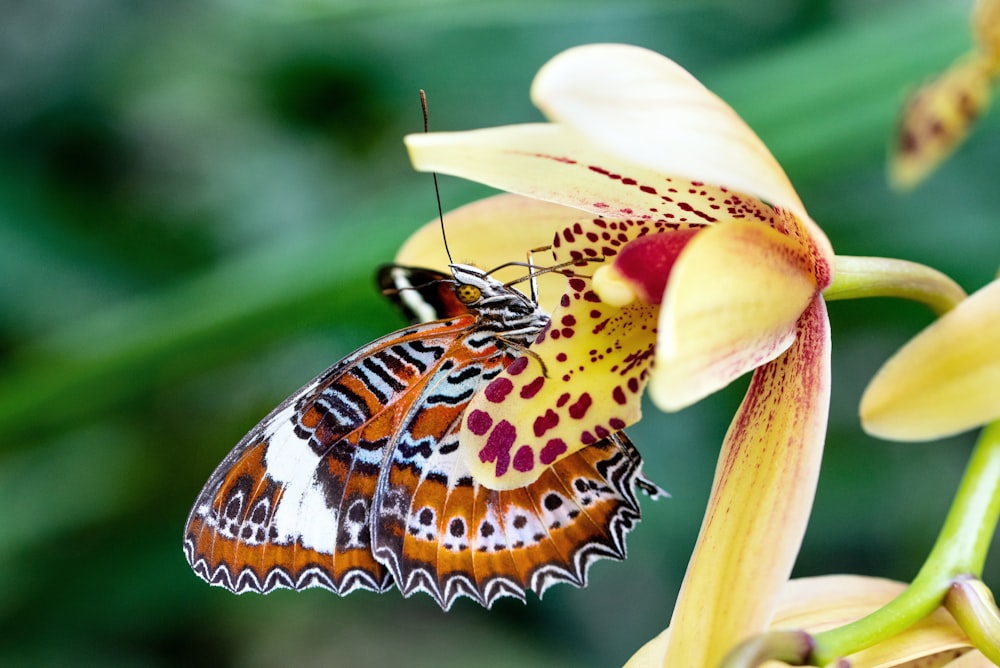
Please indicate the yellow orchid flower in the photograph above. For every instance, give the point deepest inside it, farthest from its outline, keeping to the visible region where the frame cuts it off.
(666, 179)
(942, 382)
(903, 624)
(938, 116)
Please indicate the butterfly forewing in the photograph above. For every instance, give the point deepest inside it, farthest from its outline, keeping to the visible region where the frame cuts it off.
(356, 481)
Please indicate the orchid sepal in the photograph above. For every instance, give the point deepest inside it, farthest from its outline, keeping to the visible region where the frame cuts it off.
(945, 380)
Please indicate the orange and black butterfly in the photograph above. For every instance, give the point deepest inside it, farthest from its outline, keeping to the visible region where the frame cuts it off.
(356, 482)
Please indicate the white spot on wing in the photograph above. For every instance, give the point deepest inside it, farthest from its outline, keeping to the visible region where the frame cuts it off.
(414, 302)
(302, 511)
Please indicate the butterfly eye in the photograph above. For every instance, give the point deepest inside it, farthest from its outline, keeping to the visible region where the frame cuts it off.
(468, 294)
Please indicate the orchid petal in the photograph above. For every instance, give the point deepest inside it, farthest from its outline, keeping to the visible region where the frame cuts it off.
(731, 304)
(972, 659)
(581, 381)
(760, 502)
(825, 602)
(821, 603)
(647, 110)
(553, 163)
(986, 26)
(945, 380)
(651, 654)
(491, 232)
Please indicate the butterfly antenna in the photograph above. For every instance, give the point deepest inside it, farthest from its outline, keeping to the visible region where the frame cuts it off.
(437, 191)
(533, 280)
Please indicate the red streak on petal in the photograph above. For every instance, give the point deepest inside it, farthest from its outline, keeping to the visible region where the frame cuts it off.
(498, 390)
(524, 459)
(479, 422)
(532, 388)
(552, 449)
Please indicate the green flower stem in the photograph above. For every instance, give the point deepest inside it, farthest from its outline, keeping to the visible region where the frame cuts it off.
(960, 550)
(857, 277)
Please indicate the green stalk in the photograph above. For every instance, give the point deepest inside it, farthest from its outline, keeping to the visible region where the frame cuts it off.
(858, 277)
(960, 550)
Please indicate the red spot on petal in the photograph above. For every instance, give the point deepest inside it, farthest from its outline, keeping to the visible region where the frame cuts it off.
(566, 332)
(524, 459)
(563, 398)
(552, 449)
(579, 408)
(479, 422)
(577, 284)
(601, 432)
(517, 366)
(498, 445)
(587, 438)
(594, 313)
(618, 394)
(545, 422)
(616, 423)
(498, 389)
(561, 357)
(532, 388)
(591, 296)
(568, 321)
(633, 385)
(564, 301)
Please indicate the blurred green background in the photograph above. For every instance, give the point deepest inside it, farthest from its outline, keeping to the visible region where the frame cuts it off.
(193, 197)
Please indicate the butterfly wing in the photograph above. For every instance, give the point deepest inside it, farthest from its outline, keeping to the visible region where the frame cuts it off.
(290, 505)
(443, 533)
(420, 294)
(356, 482)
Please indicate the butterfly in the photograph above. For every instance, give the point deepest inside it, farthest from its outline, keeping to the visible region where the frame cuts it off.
(355, 481)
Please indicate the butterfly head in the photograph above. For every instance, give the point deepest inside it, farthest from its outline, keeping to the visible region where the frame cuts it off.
(500, 308)
(474, 287)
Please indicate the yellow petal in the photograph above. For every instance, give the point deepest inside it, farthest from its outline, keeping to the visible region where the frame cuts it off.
(582, 380)
(553, 163)
(944, 381)
(491, 232)
(763, 490)
(938, 117)
(986, 26)
(651, 654)
(972, 659)
(821, 603)
(649, 111)
(731, 304)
